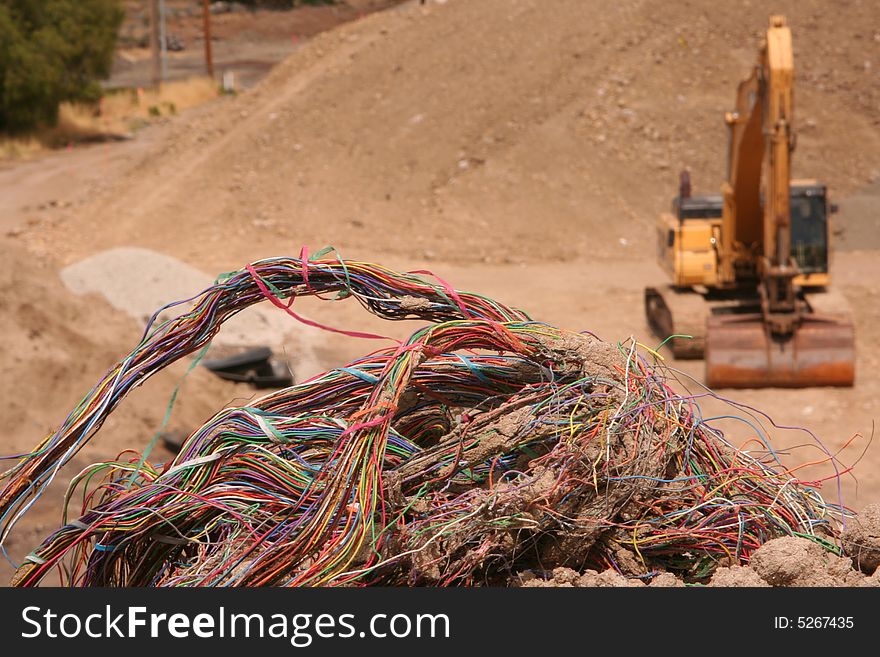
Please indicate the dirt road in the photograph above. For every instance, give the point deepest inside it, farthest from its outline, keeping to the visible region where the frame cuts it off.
(245, 42)
(48, 188)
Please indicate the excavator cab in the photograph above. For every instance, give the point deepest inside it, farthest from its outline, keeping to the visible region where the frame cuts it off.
(809, 234)
(687, 239)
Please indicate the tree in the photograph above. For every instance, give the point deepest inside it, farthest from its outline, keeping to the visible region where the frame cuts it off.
(52, 51)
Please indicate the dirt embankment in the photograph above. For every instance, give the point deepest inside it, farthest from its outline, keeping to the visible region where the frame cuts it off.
(55, 347)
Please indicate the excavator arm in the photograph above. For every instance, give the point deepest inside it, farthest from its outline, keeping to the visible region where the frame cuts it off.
(777, 268)
(742, 213)
(756, 240)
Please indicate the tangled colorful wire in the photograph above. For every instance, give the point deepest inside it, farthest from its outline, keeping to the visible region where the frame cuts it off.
(484, 445)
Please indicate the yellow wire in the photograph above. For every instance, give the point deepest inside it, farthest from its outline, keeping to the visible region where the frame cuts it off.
(646, 348)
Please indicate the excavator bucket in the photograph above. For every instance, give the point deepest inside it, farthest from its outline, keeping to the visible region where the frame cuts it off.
(741, 353)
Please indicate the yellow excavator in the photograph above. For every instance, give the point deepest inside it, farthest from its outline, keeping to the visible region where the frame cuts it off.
(749, 267)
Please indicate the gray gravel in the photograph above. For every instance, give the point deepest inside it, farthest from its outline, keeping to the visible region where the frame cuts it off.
(139, 281)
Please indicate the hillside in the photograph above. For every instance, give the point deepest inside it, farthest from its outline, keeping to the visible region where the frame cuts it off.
(492, 131)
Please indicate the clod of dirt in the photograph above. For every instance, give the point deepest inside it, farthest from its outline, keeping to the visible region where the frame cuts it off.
(566, 577)
(861, 539)
(666, 580)
(608, 578)
(737, 576)
(414, 305)
(793, 561)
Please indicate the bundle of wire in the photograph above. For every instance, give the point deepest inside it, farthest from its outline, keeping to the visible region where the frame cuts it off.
(484, 445)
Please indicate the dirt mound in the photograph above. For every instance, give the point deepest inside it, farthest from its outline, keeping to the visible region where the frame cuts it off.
(565, 577)
(54, 346)
(445, 131)
(737, 576)
(793, 561)
(787, 561)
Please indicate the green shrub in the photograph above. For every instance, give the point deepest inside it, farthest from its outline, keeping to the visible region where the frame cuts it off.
(52, 51)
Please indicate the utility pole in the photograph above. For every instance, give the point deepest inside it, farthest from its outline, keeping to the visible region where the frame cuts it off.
(206, 15)
(163, 40)
(156, 68)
